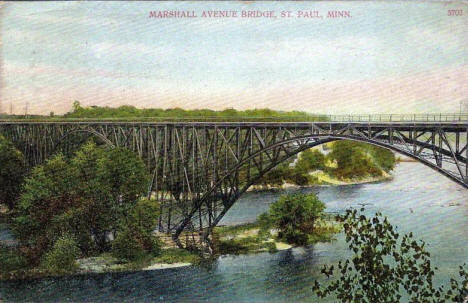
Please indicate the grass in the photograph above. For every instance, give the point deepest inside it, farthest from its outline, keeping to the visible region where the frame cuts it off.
(236, 229)
(245, 245)
(176, 255)
(253, 237)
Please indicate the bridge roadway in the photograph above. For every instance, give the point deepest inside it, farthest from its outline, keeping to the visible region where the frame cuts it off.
(199, 169)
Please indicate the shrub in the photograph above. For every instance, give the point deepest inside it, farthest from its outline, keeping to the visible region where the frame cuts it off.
(11, 259)
(144, 216)
(384, 158)
(311, 159)
(264, 221)
(135, 236)
(62, 256)
(298, 177)
(175, 255)
(384, 266)
(271, 247)
(295, 215)
(357, 160)
(131, 244)
(126, 246)
(11, 173)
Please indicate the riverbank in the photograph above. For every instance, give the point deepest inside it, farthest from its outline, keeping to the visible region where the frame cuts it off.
(324, 179)
(246, 238)
(104, 263)
(256, 237)
(249, 238)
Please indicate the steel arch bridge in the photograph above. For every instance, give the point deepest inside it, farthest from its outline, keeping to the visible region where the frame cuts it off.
(200, 169)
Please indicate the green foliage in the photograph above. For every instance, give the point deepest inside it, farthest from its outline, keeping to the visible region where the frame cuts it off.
(311, 160)
(86, 197)
(384, 158)
(243, 245)
(12, 170)
(127, 111)
(245, 238)
(62, 256)
(124, 175)
(259, 235)
(77, 106)
(11, 259)
(144, 216)
(264, 221)
(385, 265)
(176, 255)
(300, 177)
(299, 174)
(127, 246)
(295, 215)
(47, 192)
(135, 236)
(355, 159)
(277, 176)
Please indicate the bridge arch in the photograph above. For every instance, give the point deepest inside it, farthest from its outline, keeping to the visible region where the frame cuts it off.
(98, 135)
(311, 141)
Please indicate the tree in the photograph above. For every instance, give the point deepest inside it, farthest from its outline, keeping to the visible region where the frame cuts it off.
(143, 220)
(311, 160)
(12, 171)
(384, 158)
(125, 175)
(274, 177)
(48, 191)
(295, 215)
(62, 256)
(135, 236)
(86, 197)
(353, 160)
(76, 106)
(127, 111)
(385, 265)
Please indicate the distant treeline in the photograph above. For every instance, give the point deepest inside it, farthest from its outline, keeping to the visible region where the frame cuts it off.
(127, 111)
(346, 161)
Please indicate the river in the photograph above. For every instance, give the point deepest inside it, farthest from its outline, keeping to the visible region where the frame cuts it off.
(417, 199)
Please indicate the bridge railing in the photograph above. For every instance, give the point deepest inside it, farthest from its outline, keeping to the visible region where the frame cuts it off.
(309, 118)
(400, 118)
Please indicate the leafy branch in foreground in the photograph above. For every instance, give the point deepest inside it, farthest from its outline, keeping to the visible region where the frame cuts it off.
(386, 267)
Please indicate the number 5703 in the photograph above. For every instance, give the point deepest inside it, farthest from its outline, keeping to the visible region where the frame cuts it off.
(455, 12)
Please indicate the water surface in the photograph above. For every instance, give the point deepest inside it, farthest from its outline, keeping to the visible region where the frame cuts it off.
(417, 199)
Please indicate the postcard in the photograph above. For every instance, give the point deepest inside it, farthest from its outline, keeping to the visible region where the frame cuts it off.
(234, 151)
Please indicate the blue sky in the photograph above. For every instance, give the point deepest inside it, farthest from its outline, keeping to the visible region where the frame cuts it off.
(389, 57)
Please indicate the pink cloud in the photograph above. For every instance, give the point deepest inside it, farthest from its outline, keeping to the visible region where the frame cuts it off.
(431, 91)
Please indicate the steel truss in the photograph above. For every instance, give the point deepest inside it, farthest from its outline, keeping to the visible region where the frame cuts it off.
(199, 170)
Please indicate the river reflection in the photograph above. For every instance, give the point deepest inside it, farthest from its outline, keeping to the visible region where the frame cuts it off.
(417, 199)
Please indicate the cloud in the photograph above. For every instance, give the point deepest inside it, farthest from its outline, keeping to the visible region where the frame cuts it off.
(436, 91)
(113, 54)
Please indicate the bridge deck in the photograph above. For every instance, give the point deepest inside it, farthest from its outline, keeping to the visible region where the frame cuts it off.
(242, 123)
